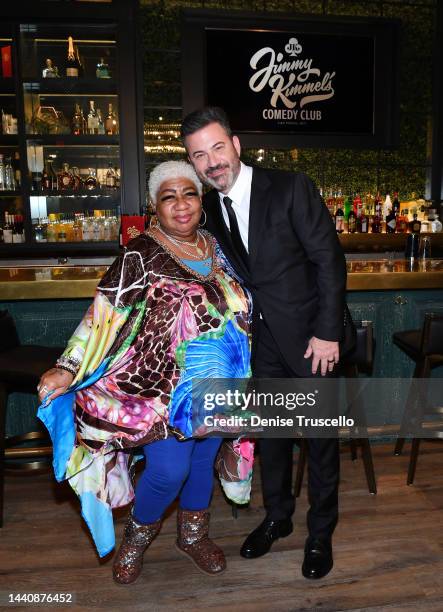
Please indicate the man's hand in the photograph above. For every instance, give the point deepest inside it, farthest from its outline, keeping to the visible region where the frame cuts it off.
(324, 352)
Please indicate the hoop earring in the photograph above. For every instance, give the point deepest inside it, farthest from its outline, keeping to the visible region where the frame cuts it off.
(204, 222)
(153, 222)
(151, 206)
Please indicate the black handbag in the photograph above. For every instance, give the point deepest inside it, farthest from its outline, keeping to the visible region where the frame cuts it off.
(348, 341)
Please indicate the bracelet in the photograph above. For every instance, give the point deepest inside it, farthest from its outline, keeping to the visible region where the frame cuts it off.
(66, 369)
(70, 364)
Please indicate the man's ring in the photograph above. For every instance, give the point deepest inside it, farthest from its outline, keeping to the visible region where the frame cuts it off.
(331, 360)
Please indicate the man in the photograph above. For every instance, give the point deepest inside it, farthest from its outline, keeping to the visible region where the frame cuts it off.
(278, 235)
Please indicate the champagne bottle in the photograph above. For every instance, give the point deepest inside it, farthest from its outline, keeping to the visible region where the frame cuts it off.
(72, 65)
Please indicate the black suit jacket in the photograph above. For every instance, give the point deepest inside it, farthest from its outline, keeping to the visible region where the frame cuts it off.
(297, 268)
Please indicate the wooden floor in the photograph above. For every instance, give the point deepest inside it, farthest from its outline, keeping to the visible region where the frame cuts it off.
(388, 550)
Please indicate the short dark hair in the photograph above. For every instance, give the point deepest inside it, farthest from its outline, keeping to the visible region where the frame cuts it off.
(202, 117)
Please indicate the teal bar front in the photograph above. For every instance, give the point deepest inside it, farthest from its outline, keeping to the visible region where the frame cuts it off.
(51, 322)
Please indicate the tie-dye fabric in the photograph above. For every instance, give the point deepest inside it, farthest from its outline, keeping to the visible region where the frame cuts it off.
(154, 325)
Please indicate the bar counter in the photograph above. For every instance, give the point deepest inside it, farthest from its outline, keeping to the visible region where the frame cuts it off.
(45, 282)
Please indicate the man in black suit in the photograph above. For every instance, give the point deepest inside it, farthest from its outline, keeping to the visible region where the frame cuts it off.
(276, 231)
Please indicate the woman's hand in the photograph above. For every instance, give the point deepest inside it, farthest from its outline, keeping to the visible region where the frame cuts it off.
(55, 380)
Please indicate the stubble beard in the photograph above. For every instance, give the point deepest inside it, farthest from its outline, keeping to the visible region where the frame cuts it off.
(224, 182)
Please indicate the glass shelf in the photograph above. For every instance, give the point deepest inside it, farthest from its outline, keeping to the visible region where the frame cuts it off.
(70, 87)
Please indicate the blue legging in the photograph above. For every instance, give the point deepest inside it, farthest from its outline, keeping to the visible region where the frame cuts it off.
(173, 468)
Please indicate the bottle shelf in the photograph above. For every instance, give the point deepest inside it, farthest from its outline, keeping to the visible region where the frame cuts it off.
(382, 243)
(59, 249)
(10, 140)
(8, 193)
(7, 85)
(71, 86)
(78, 193)
(61, 140)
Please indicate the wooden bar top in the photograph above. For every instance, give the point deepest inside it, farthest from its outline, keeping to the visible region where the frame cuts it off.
(60, 282)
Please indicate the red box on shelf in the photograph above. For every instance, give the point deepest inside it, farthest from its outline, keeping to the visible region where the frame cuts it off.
(132, 226)
(6, 61)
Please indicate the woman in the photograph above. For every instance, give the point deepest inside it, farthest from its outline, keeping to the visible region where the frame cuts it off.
(169, 310)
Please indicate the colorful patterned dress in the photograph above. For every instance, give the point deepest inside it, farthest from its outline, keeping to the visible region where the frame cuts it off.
(154, 325)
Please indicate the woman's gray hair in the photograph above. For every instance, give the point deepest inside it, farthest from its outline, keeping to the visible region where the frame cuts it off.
(171, 170)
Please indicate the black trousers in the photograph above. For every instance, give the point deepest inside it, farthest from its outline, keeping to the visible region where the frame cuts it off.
(276, 457)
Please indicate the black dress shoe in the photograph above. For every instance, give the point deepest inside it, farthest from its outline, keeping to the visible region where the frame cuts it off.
(318, 559)
(259, 542)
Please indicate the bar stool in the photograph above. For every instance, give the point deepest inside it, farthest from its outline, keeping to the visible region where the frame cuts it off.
(425, 347)
(20, 369)
(360, 360)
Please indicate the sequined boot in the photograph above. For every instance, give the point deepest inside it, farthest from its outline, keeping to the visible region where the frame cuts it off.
(193, 541)
(128, 561)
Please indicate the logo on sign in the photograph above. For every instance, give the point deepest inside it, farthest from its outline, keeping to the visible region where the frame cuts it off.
(293, 48)
(293, 82)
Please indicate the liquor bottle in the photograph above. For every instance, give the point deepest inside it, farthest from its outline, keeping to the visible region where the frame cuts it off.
(358, 224)
(87, 228)
(402, 221)
(46, 182)
(72, 65)
(107, 226)
(77, 228)
(52, 174)
(17, 233)
(330, 203)
(100, 122)
(391, 222)
(110, 177)
(51, 230)
(78, 183)
(91, 180)
(376, 220)
(339, 220)
(364, 223)
(415, 225)
(61, 228)
(2, 174)
(65, 178)
(347, 207)
(387, 206)
(102, 70)
(7, 229)
(9, 175)
(97, 230)
(436, 225)
(396, 204)
(77, 121)
(357, 203)
(17, 171)
(92, 119)
(111, 123)
(352, 226)
(37, 230)
(50, 71)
